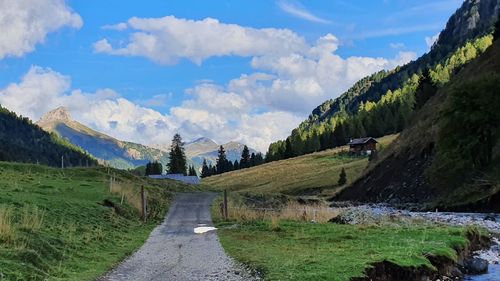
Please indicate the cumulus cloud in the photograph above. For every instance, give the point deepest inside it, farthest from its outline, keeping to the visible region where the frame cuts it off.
(221, 116)
(167, 40)
(300, 12)
(25, 23)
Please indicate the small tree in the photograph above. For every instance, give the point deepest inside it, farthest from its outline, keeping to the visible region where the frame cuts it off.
(496, 33)
(342, 177)
(192, 171)
(177, 164)
(205, 170)
(221, 161)
(245, 158)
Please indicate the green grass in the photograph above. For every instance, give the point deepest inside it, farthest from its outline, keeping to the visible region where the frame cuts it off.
(54, 224)
(311, 173)
(307, 251)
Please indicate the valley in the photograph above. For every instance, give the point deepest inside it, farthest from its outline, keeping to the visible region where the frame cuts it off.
(265, 140)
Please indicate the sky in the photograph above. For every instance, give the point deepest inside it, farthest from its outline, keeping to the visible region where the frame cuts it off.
(247, 71)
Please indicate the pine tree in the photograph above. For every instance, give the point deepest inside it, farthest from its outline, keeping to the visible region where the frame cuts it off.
(236, 165)
(221, 161)
(288, 149)
(259, 159)
(496, 33)
(252, 160)
(192, 171)
(205, 170)
(342, 177)
(245, 158)
(178, 163)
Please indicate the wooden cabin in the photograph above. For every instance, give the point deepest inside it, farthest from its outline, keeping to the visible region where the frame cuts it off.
(363, 146)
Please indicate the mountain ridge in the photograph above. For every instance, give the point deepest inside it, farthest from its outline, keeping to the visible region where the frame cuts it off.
(129, 155)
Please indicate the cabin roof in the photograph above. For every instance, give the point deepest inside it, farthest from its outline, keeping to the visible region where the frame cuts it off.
(361, 141)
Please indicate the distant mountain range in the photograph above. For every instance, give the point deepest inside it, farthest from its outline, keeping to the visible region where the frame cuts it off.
(128, 155)
(205, 148)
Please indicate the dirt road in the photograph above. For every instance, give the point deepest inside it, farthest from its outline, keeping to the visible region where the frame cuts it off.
(174, 252)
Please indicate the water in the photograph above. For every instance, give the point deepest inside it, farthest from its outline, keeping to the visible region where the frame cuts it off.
(492, 255)
(492, 275)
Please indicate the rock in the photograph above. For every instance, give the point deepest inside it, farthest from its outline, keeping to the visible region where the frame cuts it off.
(455, 272)
(476, 266)
(490, 218)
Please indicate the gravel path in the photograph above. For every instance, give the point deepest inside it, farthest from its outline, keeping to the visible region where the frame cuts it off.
(174, 252)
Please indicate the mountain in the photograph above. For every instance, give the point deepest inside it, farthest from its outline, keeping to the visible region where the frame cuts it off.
(333, 122)
(117, 153)
(23, 141)
(449, 157)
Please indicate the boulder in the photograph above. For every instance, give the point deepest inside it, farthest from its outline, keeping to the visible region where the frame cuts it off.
(476, 266)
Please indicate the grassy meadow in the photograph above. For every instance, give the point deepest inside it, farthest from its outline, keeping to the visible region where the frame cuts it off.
(295, 250)
(69, 224)
(315, 173)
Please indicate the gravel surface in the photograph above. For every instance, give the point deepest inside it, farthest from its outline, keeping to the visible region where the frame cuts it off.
(174, 252)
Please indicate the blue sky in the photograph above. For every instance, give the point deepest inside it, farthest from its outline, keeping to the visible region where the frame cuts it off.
(166, 88)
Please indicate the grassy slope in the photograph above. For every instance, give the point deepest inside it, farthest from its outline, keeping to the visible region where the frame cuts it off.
(79, 238)
(306, 251)
(313, 172)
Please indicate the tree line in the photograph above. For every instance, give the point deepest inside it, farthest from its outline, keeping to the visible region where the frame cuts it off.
(224, 165)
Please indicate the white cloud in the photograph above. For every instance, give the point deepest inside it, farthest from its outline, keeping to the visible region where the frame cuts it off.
(167, 40)
(291, 76)
(25, 23)
(397, 45)
(119, 26)
(431, 40)
(393, 31)
(300, 12)
(221, 116)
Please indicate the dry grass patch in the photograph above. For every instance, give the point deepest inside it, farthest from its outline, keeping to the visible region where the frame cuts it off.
(294, 211)
(32, 217)
(7, 230)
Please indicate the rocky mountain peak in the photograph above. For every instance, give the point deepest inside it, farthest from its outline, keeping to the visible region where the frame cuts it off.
(59, 114)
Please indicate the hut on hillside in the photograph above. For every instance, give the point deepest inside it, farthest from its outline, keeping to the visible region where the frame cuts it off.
(363, 146)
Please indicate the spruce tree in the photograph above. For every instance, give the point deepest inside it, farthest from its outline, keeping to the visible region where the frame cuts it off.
(259, 159)
(221, 161)
(288, 149)
(192, 171)
(496, 33)
(245, 158)
(252, 160)
(205, 170)
(236, 165)
(177, 164)
(342, 177)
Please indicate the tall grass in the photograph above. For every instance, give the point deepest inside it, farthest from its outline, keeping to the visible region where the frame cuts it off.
(32, 217)
(7, 230)
(129, 193)
(320, 212)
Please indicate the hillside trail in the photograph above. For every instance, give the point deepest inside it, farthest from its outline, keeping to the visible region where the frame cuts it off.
(174, 251)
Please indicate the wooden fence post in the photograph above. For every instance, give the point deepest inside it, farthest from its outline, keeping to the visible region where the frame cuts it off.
(225, 204)
(143, 197)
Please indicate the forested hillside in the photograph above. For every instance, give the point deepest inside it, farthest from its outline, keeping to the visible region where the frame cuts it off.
(384, 102)
(23, 141)
(450, 154)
